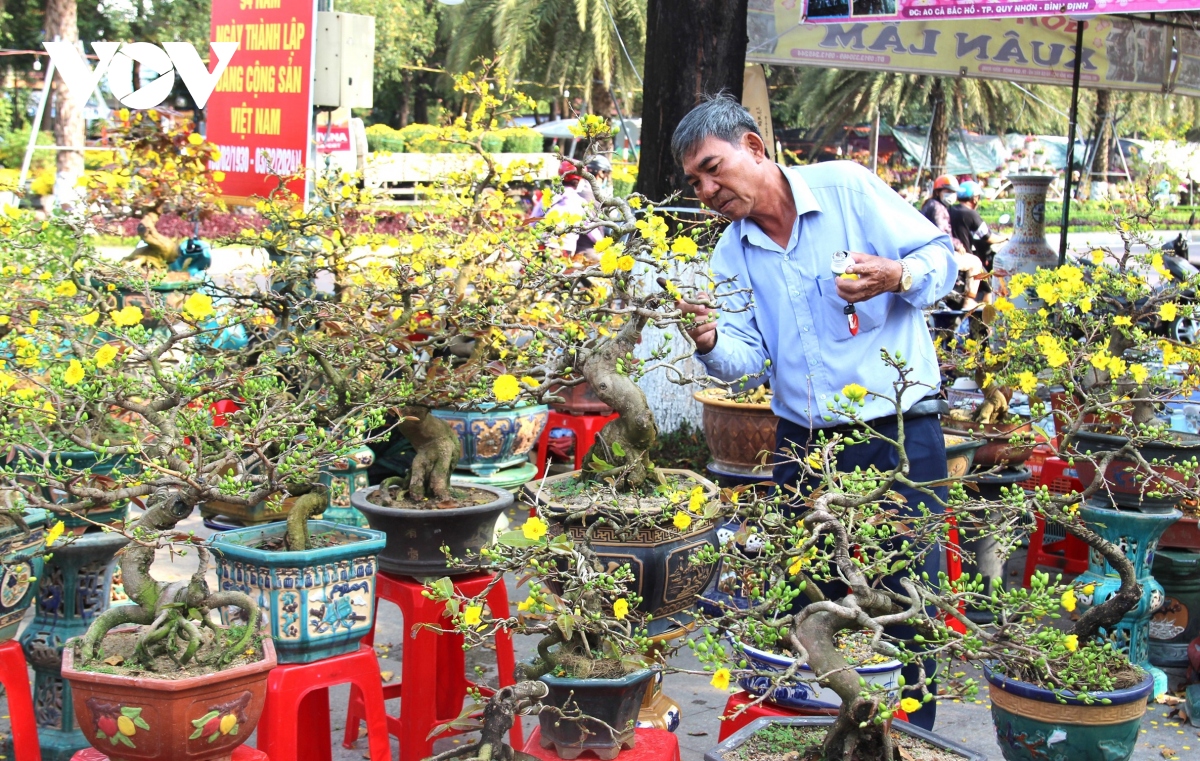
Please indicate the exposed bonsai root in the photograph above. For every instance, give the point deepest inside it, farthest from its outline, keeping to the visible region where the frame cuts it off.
(499, 715)
(157, 250)
(308, 505)
(438, 450)
(847, 741)
(237, 600)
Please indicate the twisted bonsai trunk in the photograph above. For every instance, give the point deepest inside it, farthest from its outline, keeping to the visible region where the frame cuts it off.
(157, 250)
(624, 443)
(314, 502)
(166, 608)
(498, 717)
(438, 450)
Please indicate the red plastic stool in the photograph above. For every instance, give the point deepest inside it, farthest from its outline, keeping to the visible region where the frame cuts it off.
(585, 428)
(296, 714)
(731, 723)
(954, 567)
(1069, 554)
(650, 745)
(240, 753)
(14, 675)
(433, 682)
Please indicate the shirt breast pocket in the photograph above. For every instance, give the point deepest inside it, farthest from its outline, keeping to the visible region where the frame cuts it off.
(833, 321)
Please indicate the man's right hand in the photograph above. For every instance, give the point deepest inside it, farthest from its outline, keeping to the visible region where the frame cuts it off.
(704, 327)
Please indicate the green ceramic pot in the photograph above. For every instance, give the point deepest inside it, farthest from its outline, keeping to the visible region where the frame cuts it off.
(1036, 724)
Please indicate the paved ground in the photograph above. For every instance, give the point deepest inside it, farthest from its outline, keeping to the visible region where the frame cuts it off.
(701, 703)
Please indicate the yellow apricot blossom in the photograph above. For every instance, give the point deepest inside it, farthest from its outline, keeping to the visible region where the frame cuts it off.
(66, 289)
(74, 373)
(620, 608)
(854, 393)
(506, 388)
(1167, 311)
(198, 306)
(128, 316)
(720, 679)
(105, 355)
(534, 528)
(910, 705)
(682, 521)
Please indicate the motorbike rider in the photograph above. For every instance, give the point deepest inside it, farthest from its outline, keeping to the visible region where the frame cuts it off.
(937, 207)
(968, 227)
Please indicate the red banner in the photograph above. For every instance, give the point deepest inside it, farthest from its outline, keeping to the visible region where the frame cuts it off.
(260, 113)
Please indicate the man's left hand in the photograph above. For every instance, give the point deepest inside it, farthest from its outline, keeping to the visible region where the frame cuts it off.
(876, 275)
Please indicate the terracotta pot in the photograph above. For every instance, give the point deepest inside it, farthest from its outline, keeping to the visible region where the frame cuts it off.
(998, 449)
(200, 718)
(580, 400)
(1066, 408)
(738, 433)
(1128, 485)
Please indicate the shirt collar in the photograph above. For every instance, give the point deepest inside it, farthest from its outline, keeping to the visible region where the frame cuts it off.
(802, 196)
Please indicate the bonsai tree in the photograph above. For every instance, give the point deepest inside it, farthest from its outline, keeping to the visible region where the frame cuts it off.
(811, 581)
(159, 166)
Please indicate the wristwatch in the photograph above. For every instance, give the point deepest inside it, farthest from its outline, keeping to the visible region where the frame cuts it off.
(905, 277)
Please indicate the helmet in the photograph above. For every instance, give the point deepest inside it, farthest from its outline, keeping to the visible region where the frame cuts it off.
(946, 182)
(568, 171)
(969, 189)
(599, 164)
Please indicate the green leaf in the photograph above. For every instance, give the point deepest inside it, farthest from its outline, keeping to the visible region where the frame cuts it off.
(599, 464)
(213, 737)
(100, 735)
(205, 718)
(443, 587)
(125, 740)
(138, 721)
(515, 539)
(197, 733)
(1042, 432)
(234, 731)
(131, 712)
(617, 449)
(566, 624)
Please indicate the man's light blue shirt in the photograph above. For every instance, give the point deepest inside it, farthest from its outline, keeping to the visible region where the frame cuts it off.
(795, 316)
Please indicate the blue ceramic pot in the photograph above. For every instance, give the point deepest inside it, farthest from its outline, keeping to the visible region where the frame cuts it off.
(344, 477)
(20, 569)
(318, 602)
(61, 462)
(496, 438)
(1036, 724)
(729, 747)
(804, 694)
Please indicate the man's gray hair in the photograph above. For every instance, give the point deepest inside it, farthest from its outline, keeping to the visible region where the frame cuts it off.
(718, 116)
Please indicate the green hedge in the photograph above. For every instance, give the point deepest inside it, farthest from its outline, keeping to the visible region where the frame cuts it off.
(421, 138)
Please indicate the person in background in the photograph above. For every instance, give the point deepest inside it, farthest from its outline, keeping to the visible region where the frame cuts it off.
(937, 207)
(973, 251)
(600, 168)
(571, 201)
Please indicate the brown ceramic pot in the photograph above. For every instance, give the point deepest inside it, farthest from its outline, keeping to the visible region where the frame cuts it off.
(998, 449)
(738, 433)
(201, 718)
(580, 400)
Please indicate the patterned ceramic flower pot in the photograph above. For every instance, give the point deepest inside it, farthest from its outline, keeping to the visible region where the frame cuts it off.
(1177, 621)
(804, 694)
(1130, 484)
(496, 438)
(344, 477)
(999, 447)
(20, 568)
(100, 469)
(666, 575)
(201, 718)
(75, 587)
(613, 701)
(738, 433)
(1137, 535)
(318, 602)
(1035, 724)
(415, 537)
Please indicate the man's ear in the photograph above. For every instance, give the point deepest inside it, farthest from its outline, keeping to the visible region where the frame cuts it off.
(753, 143)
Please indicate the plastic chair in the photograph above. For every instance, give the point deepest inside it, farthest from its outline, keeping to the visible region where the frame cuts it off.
(585, 428)
(240, 753)
(14, 675)
(296, 714)
(433, 682)
(1069, 554)
(650, 745)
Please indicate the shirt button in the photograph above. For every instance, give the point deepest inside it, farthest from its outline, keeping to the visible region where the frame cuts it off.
(822, 396)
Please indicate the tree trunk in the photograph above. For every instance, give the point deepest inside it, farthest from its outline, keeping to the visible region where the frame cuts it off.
(1104, 134)
(939, 136)
(438, 450)
(62, 24)
(692, 49)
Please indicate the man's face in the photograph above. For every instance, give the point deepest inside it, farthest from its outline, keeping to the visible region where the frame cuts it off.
(726, 177)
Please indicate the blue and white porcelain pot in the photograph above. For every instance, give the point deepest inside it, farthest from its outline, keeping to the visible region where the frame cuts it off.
(804, 693)
(496, 438)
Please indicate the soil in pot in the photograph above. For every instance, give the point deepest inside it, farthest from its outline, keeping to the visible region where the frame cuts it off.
(395, 495)
(117, 656)
(571, 494)
(783, 742)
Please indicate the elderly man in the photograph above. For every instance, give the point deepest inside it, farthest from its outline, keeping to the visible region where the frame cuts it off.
(786, 225)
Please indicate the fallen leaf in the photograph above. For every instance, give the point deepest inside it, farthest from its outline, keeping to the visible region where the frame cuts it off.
(1168, 753)
(387, 676)
(697, 734)
(114, 660)
(905, 755)
(1168, 699)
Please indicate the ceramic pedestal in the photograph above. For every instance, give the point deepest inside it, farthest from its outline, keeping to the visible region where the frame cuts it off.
(344, 477)
(76, 586)
(1137, 534)
(1027, 250)
(1177, 621)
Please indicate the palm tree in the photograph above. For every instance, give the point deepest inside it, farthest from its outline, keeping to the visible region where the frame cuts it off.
(556, 42)
(829, 98)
